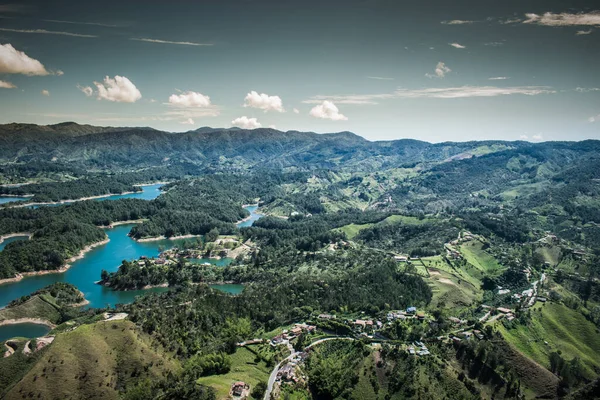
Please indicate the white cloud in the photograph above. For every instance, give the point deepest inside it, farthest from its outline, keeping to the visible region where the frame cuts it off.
(523, 137)
(45, 92)
(440, 71)
(380, 78)
(586, 90)
(510, 21)
(189, 99)
(327, 110)
(539, 136)
(45, 32)
(586, 32)
(170, 42)
(13, 61)
(246, 123)
(80, 23)
(471, 91)
(436, 93)
(296, 111)
(457, 45)
(118, 89)
(457, 22)
(350, 99)
(498, 78)
(263, 102)
(594, 119)
(6, 85)
(87, 90)
(188, 121)
(564, 19)
(58, 72)
(272, 127)
(494, 44)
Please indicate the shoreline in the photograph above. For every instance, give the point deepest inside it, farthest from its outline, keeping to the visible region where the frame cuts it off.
(38, 321)
(157, 238)
(69, 201)
(128, 222)
(64, 268)
(12, 235)
(153, 183)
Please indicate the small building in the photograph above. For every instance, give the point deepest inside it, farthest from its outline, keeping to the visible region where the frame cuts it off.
(411, 310)
(238, 389)
(326, 316)
(504, 310)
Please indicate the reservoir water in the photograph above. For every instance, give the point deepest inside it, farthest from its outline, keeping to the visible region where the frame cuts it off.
(86, 271)
(11, 239)
(26, 329)
(10, 199)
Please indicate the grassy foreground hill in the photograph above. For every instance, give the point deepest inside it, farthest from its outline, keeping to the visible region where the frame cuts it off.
(93, 361)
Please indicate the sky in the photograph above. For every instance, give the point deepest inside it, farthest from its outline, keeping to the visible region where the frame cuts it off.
(384, 69)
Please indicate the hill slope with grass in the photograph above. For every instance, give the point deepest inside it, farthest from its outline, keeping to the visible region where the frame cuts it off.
(93, 361)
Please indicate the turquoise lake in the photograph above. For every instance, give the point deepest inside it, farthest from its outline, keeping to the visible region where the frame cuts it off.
(27, 330)
(11, 239)
(10, 199)
(86, 271)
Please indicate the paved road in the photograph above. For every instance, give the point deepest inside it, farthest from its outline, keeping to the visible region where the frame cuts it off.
(273, 376)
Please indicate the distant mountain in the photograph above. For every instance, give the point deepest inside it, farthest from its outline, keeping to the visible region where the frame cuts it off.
(117, 148)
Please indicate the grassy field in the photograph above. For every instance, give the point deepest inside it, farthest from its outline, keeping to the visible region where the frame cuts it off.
(94, 361)
(450, 291)
(35, 307)
(475, 254)
(352, 230)
(243, 368)
(564, 329)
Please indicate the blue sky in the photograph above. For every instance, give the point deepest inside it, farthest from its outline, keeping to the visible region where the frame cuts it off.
(384, 69)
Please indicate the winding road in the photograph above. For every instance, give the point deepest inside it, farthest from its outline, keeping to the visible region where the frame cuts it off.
(273, 376)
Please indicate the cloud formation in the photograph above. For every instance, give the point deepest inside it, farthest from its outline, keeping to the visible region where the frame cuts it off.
(434, 93)
(457, 45)
(327, 110)
(45, 92)
(246, 123)
(457, 22)
(538, 137)
(170, 42)
(188, 121)
(296, 111)
(380, 78)
(80, 23)
(118, 89)
(440, 71)
(263, 102)
(45, 32)
(471, 91)
(87, 90)
(189, 99)
(498, 78)
(564, 19)
(586, 32)
(13, 61)
(6, 85)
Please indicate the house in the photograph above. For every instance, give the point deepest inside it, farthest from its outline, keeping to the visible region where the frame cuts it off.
(420, 316)
(478, 334)
(542, 299)
(326, 316)
(504, 310)
(411, 310)
(238, 389)
(466, 335)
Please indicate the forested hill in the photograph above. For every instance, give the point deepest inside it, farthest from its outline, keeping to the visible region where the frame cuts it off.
(230, 149)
